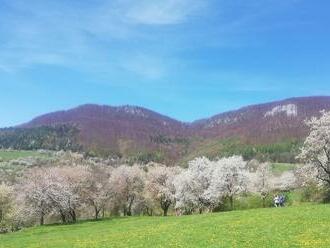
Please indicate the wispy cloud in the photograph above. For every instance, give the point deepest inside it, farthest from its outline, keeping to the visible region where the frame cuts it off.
(145, 66)
(166, 12)
(63, 33)
(130, 34)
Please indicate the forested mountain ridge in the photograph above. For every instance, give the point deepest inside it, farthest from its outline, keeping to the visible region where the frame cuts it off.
(142, 134)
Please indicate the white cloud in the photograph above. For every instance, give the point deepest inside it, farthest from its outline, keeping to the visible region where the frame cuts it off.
(80, 34)
(90, 35)
(165, 12)
(145, 66)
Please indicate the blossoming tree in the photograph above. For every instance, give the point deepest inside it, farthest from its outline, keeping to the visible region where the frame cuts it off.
(316, 148)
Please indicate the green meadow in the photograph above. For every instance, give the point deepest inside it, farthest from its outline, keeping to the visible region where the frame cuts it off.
(299, 226)
(6, 155)
(279, 168)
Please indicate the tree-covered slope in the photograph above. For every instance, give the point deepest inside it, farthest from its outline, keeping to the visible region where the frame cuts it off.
(55, 137)
(140, 134)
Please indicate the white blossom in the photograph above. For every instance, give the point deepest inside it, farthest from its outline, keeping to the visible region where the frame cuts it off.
(127, 184)
(316, 148)
(160, 185)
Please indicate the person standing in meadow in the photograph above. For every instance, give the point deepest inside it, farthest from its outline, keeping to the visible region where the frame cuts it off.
(276, 201)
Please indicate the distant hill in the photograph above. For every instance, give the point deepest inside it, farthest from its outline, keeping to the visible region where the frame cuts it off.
(264, 123)
(146, 135)
(124, 130)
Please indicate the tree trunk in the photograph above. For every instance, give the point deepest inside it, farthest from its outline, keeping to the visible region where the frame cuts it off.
(264, 202)
(97, 211)
(42, 219)
(165, 211)
(63, 218)
(148, 211)
(231, 199)
(129, 209)
(73, 215)
(165, 206)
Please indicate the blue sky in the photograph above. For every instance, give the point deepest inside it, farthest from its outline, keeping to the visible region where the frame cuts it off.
(188, 59)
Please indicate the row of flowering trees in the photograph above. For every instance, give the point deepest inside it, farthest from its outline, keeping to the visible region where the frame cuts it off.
(70, 192)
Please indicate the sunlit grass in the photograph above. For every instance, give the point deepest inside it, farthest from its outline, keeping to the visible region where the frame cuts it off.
(6, 155)
(282, 167)
(304, 226)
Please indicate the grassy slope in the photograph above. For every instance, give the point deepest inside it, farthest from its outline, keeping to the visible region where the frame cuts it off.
(283, 167)
(303, 226)
(9, 155)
